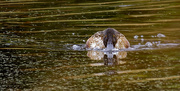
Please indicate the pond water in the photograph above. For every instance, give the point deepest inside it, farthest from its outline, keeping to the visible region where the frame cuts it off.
(41, 45)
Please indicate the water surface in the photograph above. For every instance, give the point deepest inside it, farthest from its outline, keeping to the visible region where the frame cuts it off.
(37, 39)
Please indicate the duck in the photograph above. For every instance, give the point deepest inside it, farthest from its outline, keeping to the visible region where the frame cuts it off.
(109, 38)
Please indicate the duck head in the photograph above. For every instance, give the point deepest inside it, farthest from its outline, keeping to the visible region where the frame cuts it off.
(109, 38)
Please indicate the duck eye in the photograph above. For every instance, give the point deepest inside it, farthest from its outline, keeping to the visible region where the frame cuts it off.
(114, 35)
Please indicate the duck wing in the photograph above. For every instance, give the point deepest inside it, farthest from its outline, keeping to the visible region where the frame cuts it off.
(122, 42)
(96, 41)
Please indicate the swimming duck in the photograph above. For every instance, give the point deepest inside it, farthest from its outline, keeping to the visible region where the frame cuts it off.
(109, 38)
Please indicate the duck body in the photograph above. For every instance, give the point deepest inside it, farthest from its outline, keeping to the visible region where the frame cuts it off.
(109, 38)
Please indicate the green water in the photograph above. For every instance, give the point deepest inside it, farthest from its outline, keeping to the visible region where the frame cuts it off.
(37, 38)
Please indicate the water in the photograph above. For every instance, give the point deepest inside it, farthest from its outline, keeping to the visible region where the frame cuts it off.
(42, 42)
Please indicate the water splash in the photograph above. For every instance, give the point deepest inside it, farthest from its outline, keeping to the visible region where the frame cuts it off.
(160, 35)
(76, 47)
(136, 37)
(148, 44)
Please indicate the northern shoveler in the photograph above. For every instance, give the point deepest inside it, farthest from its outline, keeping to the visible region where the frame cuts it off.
(109, 38)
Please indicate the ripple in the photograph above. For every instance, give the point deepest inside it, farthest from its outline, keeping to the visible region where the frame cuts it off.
(155, 79)
(120, 72)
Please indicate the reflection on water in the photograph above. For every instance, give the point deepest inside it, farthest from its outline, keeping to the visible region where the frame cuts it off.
(42, 45)
(109, 58)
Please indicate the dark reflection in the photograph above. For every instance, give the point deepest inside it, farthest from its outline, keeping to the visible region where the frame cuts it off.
(109, 58)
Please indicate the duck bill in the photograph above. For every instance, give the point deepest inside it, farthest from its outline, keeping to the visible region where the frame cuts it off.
(110, 45)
